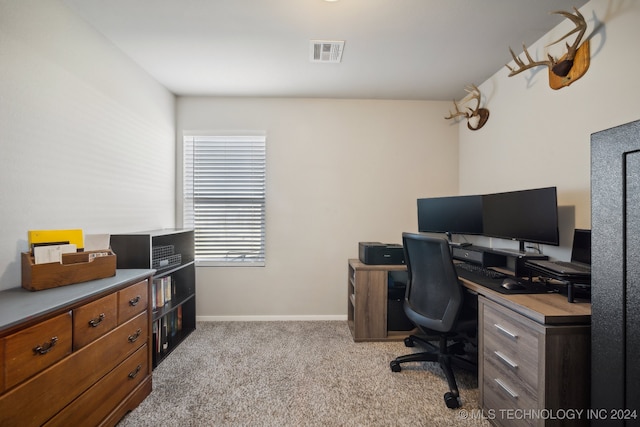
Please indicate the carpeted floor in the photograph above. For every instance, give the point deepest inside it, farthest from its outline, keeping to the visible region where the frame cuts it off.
(296, 374)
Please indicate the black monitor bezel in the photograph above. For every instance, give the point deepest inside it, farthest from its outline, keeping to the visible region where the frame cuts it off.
(471, 205)
(532, 204)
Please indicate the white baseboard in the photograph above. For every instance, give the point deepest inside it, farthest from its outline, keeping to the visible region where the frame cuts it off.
(269, 318)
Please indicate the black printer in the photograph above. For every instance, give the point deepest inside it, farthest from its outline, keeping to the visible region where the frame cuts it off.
(376, 253)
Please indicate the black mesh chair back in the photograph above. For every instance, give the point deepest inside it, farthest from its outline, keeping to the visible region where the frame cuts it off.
(434, 294)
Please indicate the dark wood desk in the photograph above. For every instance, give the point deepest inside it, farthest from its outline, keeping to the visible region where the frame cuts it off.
(534, 349)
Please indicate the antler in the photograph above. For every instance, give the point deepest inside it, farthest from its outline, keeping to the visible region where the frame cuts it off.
(475, 94)
(562, 68)
(476, 117)
(521, 66)
(559, 68)
(458, 113)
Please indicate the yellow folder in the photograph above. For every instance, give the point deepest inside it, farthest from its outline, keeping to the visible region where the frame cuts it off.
(56, 236)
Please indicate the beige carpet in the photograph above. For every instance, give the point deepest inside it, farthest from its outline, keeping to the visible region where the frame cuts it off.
(296, 374)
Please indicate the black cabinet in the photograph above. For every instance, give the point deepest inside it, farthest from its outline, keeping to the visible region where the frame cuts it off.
(171, 253)
(615, 276)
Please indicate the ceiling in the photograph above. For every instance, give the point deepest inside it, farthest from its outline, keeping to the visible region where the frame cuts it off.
(394, 49)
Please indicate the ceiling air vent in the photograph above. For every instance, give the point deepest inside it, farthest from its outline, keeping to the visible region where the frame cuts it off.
(326, 51)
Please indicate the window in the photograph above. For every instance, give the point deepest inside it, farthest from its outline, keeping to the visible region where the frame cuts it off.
(224, 198)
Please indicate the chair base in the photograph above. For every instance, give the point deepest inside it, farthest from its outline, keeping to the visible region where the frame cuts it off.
(446, 355)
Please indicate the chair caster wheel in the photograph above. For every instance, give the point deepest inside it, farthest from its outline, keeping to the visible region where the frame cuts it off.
(451, 401)
(395, 366)
(408, 342)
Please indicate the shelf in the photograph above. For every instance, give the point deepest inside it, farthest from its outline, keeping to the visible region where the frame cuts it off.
(170, 306)
(145, 249)
(173, 344)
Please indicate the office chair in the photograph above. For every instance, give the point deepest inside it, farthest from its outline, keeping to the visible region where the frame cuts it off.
(435, 303)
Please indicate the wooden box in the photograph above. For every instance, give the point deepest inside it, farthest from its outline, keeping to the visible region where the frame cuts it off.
(75, 268)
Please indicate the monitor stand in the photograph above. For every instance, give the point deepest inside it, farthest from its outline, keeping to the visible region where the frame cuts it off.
(456, 244)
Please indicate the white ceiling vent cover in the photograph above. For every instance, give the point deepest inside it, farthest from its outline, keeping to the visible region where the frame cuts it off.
(329, 51)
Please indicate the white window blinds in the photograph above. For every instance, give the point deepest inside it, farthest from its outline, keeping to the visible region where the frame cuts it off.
(224, 198)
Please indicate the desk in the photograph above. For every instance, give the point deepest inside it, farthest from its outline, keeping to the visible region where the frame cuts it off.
(367, 302)
(534, 348)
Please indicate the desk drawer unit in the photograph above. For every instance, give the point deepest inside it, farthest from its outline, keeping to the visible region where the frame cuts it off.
(510, 359)
(528, 367)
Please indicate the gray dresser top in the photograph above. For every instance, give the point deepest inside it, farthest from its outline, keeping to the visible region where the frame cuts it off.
(19, 304)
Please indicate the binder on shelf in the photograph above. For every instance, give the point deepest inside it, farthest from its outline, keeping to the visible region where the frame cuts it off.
(167, 284)
(158, 288)
(162, 291)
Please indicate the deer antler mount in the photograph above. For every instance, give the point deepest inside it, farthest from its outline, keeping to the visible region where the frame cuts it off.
(571, 66)
(476, 117)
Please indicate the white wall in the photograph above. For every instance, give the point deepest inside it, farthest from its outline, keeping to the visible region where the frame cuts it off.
(538, 137)
(87, 140)
(338, 172)
(87, 137)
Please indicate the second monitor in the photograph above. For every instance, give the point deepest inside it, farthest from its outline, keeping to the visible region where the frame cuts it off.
(450, 215)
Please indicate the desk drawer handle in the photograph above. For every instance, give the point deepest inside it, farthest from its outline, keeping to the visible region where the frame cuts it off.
(502, 385)
(46, 347)
(134, 301)
(506, 332)
(134, 337)
(135, 372)
(95, 322)
(506, 360)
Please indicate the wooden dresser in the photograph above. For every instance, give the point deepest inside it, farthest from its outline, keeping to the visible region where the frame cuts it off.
(75, 355)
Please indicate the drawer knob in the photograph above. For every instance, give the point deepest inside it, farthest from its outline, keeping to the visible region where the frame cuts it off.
(505, 359)
(505, 331)
(135, 372)
(134, 337)
(46, 347)
(95, 322)
(506, 388)
(134, 301)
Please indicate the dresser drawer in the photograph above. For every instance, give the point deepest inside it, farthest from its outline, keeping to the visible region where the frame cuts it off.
(511, 346)
(35, 401)
(97, 402)
(132, 300)
(93, 320)
(33, 349)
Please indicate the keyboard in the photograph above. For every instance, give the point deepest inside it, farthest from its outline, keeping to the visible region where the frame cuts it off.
(480, 270)
(493, 279)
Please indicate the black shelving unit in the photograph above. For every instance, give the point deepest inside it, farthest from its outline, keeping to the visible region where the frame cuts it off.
(171, 253)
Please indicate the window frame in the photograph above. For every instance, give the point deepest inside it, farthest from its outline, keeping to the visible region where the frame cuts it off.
(253, 195)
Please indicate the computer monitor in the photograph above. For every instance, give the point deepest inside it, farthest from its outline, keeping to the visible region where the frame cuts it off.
(450, 215)
(525, 216)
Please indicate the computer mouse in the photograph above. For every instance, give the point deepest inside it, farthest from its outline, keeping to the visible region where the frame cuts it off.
(511, 284)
